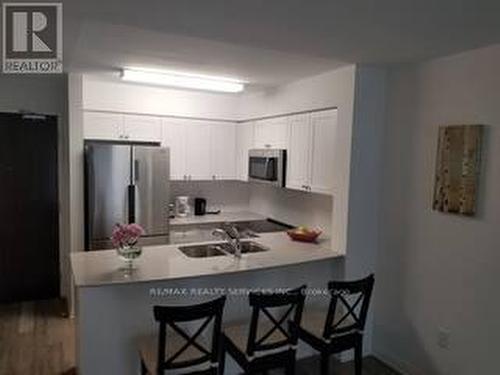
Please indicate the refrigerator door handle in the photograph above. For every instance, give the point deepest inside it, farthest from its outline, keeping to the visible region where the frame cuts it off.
(131, 203)
(136, 170)
(91, 203)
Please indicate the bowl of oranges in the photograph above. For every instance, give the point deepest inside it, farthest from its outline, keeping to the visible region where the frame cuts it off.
(304, 234)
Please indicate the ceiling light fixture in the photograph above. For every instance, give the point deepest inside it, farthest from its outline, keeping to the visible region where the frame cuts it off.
(184, 80)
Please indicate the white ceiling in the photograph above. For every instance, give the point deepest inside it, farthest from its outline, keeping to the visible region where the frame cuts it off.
(105, 47)
(271, 41)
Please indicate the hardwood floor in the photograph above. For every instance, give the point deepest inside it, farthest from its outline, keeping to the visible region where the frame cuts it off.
(36, 339)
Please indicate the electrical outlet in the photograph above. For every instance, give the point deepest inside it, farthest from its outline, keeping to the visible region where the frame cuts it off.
(443, 338)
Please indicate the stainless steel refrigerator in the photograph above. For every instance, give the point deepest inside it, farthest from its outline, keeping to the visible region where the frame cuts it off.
(125, 184)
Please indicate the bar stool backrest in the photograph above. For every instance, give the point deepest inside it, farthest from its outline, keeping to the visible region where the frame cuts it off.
(290, 305)
(348, 306)
(172, 316)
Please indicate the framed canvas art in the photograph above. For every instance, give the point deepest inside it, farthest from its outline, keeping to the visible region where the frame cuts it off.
(457, 169)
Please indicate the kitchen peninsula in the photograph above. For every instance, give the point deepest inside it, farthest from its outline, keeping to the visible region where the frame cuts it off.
(114, 306)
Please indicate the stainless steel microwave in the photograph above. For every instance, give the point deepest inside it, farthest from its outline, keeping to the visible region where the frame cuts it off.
(267, 166)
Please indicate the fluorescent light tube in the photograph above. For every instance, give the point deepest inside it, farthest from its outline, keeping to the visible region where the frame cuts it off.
(189, 81)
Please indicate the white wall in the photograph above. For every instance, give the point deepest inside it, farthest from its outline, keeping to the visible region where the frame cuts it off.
(47, 95)
(433, 269)
(108, 94)
(329, 89)
(364, 187)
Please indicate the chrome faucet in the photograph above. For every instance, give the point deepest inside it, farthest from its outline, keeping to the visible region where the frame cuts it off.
(231, 235)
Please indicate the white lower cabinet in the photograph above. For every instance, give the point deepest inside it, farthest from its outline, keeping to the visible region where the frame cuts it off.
(244, 143)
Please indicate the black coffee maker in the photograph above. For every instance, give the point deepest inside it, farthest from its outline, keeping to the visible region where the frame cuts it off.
(200, 206)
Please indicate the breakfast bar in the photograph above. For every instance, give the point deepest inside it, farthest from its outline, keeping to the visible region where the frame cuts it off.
(115, 304)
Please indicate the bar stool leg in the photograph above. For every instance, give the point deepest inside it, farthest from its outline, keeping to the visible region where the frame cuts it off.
(358, 357)
(325, 363)
(222, 359)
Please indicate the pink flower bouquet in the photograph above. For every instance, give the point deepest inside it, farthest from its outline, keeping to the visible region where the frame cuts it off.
(126, 235)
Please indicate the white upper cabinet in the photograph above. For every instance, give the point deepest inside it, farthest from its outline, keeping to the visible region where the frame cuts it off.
(271, 133)
(324, 130)
(299, 152)
(142, 128)
(174, 137)
(211, 150)
(223, 151)
(103, 126)
(198, 151)
(244, 143)
(119, 127)
(311, 141)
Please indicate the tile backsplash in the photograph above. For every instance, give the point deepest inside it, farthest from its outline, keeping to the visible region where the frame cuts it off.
(220, 195)
(289, 206)
(293, 207)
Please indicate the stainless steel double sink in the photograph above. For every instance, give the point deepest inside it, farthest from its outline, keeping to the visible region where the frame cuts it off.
(220, 248)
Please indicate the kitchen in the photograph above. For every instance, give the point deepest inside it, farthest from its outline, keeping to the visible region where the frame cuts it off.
(212, 159)
(263, 175)
(299, 187)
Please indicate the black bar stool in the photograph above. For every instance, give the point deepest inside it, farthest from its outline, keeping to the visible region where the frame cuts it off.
(341, 327)
(176, 348)
(270, 344)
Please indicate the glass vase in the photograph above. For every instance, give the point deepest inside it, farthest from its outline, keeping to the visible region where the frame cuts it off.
(128, 254)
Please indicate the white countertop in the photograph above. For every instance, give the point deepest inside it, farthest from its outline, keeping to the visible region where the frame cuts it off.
(157, 263)
(219, 218)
